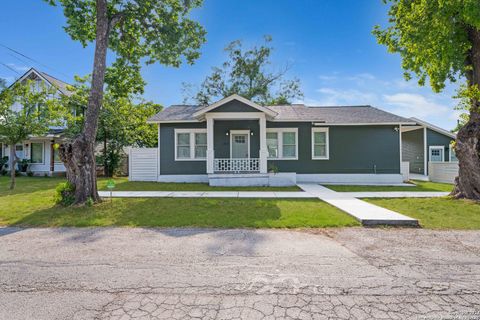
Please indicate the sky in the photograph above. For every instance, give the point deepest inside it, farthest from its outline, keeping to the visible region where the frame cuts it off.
(328, 44)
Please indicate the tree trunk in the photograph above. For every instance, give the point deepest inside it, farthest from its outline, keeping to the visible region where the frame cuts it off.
(13, 163)
(105, 162)
(467, 147)
(78, 155)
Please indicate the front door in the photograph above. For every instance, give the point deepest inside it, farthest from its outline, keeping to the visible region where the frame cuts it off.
(240, 146)
(436, 153)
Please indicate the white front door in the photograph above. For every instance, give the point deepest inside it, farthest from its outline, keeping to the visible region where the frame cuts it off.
(239, 143)
(436, 153)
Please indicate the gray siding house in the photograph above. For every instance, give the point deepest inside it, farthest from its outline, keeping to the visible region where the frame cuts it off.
(237, 142)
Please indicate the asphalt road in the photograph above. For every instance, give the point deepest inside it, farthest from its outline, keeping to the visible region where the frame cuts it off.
(122, 273)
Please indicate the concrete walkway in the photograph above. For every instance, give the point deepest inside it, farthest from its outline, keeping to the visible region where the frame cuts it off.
(367, 213)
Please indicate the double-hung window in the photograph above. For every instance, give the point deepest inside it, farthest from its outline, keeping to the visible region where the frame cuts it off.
(320, 144)
(282, 143)
(190, 144)
(36, 152)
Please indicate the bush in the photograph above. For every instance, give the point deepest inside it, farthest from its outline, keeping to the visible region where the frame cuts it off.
(30, 173)
(65, 194)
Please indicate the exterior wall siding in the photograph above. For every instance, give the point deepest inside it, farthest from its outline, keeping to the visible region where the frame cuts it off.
(168, 165)
(353, 149)
(437, 139)
(412, 150)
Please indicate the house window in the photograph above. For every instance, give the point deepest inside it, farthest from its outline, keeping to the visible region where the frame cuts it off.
(453, 156)
(272, 144)
(200, 145)
(190, 144)
(320, 146)
(36, 152)
(282, 143)
(436, 153)
(19, 147)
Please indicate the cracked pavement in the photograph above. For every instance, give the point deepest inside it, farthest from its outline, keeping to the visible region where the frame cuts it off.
(135, 273)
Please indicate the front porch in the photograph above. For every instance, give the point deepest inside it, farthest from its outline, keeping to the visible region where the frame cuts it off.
(236, 143)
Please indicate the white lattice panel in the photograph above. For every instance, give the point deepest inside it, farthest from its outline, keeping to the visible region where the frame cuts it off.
(236, 165)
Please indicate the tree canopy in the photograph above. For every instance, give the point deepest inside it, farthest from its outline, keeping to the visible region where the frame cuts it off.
(247, 72)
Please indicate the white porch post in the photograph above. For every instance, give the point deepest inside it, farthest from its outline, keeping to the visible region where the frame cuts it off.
(263, 153)
(210, 150)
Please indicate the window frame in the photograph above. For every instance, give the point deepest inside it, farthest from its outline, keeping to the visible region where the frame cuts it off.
(327, 143)
(43, 153)
(442, 153)
(191, 133)
(279, 132)
(450, 151)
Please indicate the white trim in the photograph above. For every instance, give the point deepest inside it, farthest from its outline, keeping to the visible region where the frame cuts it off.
(192, 143)
(30, 152)
(430, 148)
(243, 132)
(234, 115)
(280, 132)
(231, 98)
(400, 146)
(353, 178)
(450, 154)
(351, 124)
(425, 153)
(158, 152)
(185, 178)
(435, 128)
(172, 121)
(327, 143)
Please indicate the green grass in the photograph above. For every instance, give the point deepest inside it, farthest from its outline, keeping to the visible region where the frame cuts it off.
(418, 186)
(122, 184)
(31, 204)
(435, 213)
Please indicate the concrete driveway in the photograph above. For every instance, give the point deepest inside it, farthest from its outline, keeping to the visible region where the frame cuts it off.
(121, 273)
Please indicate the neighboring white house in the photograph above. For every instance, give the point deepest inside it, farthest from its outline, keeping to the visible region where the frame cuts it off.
(40, 151)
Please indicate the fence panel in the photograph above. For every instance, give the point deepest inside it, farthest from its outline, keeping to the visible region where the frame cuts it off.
(442, 171)
(143, 164)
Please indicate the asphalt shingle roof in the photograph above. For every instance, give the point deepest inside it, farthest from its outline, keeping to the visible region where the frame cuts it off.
(334, 115)
(59, 84)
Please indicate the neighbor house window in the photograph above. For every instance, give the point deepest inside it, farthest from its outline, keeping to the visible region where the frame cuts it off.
(320, 144)
(282, 143)
(190, 144)
(36, 152)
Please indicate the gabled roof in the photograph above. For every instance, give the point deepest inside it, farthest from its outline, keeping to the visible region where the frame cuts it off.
(435, 128)
(340, 115)
(219, 103)
(60, 85)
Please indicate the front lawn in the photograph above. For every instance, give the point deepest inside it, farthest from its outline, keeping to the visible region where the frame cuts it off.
(417, 186)
(31, 204)
(435, 213)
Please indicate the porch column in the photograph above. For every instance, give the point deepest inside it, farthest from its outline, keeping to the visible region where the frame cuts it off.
(52, 157)
(263, 145)
(210, 151)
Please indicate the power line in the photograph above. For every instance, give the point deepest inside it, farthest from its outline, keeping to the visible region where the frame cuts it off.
(31, 59)
(10, 68)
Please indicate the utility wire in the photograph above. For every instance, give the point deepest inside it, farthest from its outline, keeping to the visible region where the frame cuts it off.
(10, 68)
(31, 59)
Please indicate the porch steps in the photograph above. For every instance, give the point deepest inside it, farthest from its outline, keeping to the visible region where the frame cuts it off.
(238, 180)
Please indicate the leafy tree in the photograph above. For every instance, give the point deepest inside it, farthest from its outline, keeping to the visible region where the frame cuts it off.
(122, 119)
(135, 30)
(247, 73)
(439, 40)
(27, 109)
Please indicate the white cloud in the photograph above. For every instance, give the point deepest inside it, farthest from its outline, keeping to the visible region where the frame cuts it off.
(414, 105)
(331, 96)
(18, 67)
(361, 77)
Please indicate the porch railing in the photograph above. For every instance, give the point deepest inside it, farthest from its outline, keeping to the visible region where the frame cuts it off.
(228, 165)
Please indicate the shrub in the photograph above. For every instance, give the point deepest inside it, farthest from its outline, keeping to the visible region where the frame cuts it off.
(65, 194)
(89, 202)
(30, 173)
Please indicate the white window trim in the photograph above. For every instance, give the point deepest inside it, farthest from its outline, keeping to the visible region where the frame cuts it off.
(192, 144)
(430, 148)
(280, 132)
(450, 147)
(30, 153)
(232, 132)
(327, 143)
